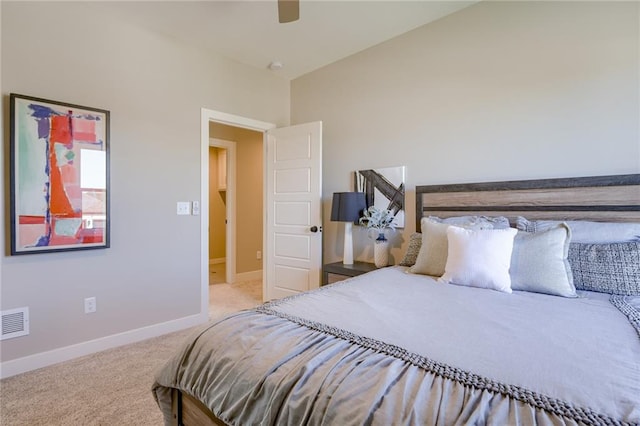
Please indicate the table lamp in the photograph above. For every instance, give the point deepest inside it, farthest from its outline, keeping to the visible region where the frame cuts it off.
(347, 207)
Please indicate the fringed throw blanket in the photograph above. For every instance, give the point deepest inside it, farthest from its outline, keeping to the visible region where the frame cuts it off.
(394, 348)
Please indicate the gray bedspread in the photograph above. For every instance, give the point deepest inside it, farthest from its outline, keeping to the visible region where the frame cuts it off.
(391, 348)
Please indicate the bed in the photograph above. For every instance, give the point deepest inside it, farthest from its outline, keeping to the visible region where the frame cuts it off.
(554, 341)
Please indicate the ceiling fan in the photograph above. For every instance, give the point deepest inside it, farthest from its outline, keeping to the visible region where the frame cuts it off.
(288, 10)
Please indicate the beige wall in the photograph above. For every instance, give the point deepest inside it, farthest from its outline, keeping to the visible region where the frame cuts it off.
(504, 90)
(155, 88)
(217, 209)
(500, 90)
(249, 190)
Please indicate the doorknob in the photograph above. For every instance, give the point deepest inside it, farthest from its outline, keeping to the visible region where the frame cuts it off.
(314, 229)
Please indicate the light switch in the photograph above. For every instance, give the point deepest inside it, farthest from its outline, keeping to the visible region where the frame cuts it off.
(184, 207)
(195, 208)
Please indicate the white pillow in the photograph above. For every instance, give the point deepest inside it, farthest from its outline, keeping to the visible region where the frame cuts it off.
(479, 258)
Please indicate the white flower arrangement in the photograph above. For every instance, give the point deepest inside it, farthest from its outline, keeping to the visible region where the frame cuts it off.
(378, 219)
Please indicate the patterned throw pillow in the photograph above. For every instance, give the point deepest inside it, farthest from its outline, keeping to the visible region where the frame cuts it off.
(415, 241)
(612, 268)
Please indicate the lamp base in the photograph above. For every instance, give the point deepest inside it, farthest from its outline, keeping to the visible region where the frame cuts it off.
(348, 244)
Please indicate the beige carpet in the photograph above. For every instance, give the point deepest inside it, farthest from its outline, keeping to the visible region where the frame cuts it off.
(225, 298)
(112, 387)
(217, 273)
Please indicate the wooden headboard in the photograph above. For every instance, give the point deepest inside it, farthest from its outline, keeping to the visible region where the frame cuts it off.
(600, 198)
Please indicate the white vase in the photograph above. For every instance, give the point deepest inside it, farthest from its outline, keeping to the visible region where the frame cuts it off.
(381, 253)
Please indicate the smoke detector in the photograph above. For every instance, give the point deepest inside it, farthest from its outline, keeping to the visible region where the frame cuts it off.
(276, 65)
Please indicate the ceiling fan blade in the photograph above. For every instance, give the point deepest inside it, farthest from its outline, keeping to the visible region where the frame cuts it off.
(288, 10)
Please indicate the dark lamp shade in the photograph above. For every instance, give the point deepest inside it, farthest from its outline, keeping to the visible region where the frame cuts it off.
(347, 206)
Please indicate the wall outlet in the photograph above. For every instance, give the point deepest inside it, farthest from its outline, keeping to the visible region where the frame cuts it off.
(195, 208)
(90, 305)
(258, 255)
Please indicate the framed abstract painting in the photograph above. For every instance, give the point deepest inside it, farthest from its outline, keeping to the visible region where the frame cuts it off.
(59, 176)
(383, 188)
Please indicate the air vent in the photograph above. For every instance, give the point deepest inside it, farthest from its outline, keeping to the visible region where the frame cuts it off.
(15, 323)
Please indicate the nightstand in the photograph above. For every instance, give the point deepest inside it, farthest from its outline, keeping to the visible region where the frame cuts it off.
(338, 271)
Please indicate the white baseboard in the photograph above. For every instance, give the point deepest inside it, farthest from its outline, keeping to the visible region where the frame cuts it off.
(247, 276)
(217, 260)
(45, 359)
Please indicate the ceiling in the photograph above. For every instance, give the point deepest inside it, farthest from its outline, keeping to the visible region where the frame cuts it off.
(249, 32)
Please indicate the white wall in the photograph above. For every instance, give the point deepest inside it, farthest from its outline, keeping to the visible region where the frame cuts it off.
(155, 88)
(497, 91)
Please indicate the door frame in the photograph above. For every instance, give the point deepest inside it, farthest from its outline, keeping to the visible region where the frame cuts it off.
(230, 208)
(207, 116)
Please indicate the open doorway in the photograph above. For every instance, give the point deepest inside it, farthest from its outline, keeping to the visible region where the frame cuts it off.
(236, 201)
(291, 199)
(222, 210)
(217, 217)
(235, 213)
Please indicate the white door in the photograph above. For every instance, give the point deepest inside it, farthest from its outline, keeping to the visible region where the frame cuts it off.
(293, 210)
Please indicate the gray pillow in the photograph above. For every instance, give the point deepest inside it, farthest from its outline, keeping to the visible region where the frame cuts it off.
(415, 241)
(475, 222)
(583, 231)
(539, 262)
(612, 268)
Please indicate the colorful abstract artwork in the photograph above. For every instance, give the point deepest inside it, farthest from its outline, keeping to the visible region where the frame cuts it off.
(59, 176)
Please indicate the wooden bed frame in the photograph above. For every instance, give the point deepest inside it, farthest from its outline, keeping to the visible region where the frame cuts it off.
(600, 198)
(188, 411)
